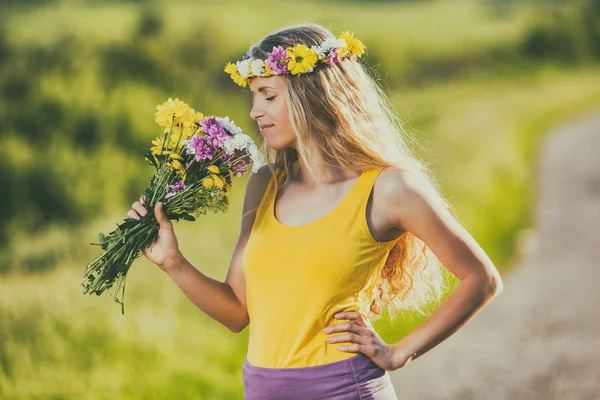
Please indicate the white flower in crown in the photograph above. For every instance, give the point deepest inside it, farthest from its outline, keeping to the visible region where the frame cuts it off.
(257, 67)
(243, 68)
(328, 44)
(297, 59)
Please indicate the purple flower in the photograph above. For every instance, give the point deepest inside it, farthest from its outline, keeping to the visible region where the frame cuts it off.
(203, 150)
(242, 162)
(277, 60)
(176, 188)
(333, 57)
(215, 133)
(224, 157)
(247, 56)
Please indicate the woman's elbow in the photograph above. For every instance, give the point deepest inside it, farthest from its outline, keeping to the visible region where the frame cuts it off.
(493, 285)
(239, 326)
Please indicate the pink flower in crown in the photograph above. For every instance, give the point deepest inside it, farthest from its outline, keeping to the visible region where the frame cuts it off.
(333, 57)
(277, 60)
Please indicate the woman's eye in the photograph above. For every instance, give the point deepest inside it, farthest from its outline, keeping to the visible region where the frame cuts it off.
(270, 98)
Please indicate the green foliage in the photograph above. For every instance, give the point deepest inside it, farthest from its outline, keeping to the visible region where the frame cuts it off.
(568, 32)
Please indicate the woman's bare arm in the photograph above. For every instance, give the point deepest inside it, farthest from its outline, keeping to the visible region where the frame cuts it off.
(411, 206)
(225, 301)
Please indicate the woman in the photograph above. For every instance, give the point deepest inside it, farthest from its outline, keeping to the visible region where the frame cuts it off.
(342, 222)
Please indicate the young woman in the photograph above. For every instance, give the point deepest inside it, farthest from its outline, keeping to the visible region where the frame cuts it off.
(342, 222)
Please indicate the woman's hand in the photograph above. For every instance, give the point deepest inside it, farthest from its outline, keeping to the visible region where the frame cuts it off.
(365, 340)
(165, 251)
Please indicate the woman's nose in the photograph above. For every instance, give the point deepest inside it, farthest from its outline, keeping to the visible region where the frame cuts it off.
(255, 112)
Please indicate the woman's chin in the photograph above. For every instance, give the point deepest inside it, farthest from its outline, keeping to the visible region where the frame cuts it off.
(274, 144)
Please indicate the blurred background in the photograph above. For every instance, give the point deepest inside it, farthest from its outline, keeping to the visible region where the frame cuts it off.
(480, 83)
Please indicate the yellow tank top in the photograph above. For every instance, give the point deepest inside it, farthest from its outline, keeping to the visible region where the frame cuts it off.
(297, 278)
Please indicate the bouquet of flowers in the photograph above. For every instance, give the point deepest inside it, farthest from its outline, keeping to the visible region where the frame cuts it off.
(194, 163)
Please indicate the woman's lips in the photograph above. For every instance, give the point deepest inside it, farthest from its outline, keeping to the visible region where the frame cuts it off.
(265, 127)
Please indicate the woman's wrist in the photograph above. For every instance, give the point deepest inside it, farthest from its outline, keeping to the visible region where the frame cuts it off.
(175, 264)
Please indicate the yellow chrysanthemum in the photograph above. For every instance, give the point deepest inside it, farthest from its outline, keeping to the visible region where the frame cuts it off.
(219, 182)
(214, 169)
(158, 145)
(268, 70)
(353, 45)
(180, 133)
(186, 117)
(302, 58)
(231, 69)
(176, 156)
(208, 182)
(176, 166)
(169, 110)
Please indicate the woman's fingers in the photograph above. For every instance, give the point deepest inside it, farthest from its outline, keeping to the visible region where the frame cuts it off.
(133, 214)
(141, 210)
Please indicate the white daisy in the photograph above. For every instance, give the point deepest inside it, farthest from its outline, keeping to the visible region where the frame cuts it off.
(243, 68)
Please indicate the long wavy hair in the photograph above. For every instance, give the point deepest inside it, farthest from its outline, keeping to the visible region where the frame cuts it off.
(343, 118)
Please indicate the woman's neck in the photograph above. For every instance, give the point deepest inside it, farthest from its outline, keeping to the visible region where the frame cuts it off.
(327, 174)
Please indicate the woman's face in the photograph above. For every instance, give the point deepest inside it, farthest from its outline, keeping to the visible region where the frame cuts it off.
(269, 109)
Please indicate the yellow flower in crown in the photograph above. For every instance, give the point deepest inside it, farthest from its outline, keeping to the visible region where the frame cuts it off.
(353, 45)
(231, 69)
(268, 71)
(296, 60)
(302, 59)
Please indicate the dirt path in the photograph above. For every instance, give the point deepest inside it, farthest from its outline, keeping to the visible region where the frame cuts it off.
(540, 339)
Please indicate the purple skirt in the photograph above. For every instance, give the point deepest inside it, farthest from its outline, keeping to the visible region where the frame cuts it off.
(355, 378)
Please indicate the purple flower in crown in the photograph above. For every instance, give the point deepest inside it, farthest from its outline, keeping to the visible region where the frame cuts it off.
(216, 135)
(277, 60)
(333, 57)
(176, 188)
(203, 150)
(247, 56)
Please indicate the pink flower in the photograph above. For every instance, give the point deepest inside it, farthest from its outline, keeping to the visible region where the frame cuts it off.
(176, 188)
(215, 133)
(277, 60)
(203, 150)
(333, 57)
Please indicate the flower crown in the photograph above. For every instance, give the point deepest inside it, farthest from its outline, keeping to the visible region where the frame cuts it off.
(296, 60)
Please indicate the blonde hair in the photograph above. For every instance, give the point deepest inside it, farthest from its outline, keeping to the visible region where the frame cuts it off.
(342, 118)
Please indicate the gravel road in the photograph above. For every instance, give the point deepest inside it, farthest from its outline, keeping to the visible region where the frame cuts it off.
(540, 339)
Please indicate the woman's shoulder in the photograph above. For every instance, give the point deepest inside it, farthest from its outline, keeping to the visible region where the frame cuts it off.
(394, 181)
(398, 191)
